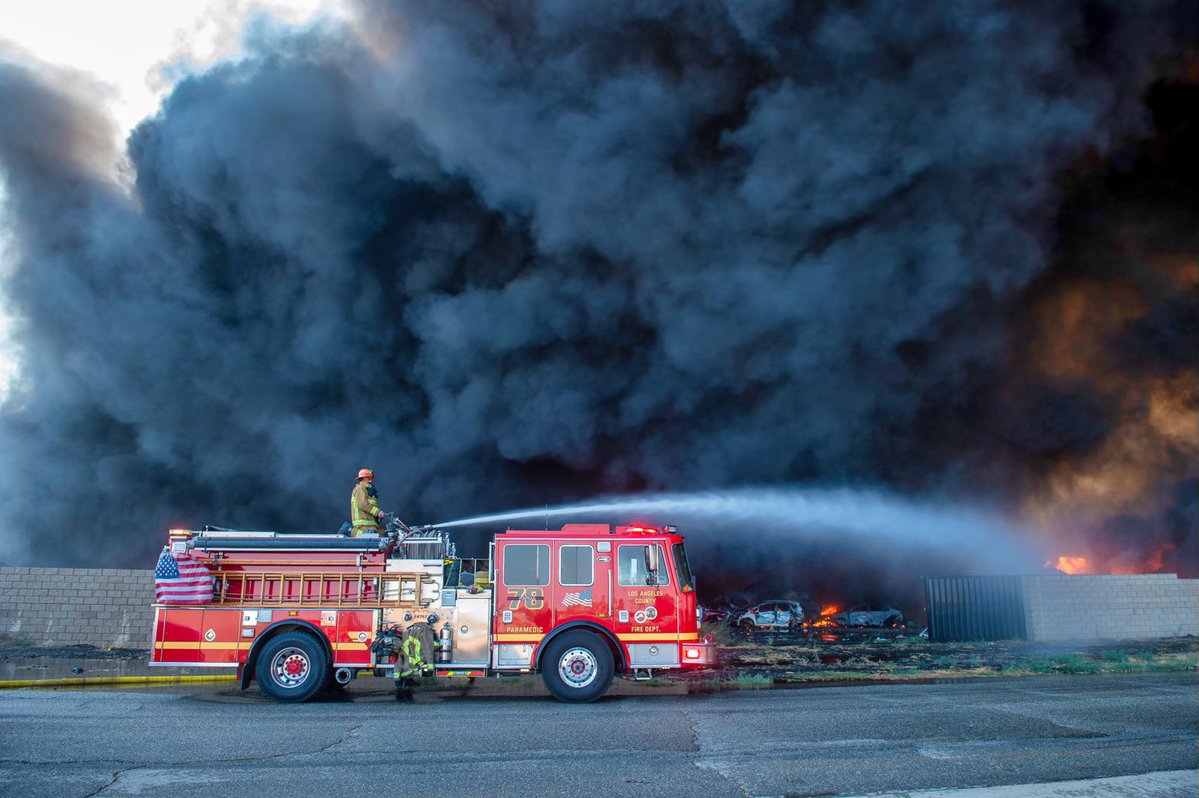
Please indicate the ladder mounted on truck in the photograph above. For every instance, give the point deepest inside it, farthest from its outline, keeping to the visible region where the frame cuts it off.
(272, 569)
(266, 589)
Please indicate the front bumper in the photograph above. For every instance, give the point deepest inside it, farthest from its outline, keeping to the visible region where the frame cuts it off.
(699, 654)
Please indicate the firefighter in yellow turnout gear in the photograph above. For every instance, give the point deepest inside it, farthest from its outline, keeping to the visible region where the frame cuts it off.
(365, 515)
(414, 658)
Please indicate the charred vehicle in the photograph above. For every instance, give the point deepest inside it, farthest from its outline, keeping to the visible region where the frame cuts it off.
(868, 615)
(713, 614)
(775, 614)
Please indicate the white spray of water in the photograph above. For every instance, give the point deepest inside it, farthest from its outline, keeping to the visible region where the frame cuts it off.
(876, 521)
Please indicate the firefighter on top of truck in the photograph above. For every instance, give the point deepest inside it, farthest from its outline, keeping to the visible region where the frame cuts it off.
(365, 514)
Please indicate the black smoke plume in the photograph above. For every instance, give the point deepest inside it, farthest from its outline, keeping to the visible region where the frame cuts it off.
(525, 252)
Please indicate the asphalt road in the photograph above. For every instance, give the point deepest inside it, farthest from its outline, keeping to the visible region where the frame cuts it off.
(823, 741)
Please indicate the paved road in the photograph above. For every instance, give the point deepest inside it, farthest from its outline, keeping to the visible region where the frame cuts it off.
(825, 741)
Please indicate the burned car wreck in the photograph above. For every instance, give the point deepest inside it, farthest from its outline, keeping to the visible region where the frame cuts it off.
(868, 615)
(774, 614)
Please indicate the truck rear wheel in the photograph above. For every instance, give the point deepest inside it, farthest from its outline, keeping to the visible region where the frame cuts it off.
(292, 667)
(577, 667)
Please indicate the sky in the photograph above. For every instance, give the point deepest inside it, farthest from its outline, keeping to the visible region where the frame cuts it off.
(134, 51)
(528, 253)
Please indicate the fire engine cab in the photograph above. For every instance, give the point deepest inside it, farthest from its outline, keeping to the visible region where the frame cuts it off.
(296, 612)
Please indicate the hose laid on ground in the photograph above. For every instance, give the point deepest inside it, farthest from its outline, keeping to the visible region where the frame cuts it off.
(82, 681)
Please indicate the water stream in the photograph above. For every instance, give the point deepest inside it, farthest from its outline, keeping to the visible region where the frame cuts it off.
(885, 521)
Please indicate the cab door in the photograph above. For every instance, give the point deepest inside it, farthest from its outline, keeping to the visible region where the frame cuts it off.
(524, 594)
(646, 615)
(582, 582)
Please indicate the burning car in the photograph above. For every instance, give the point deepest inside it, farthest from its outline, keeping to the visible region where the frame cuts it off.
(774, 614)
(868, 615)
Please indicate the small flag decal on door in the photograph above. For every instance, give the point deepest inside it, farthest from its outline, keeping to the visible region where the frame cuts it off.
(580, 599)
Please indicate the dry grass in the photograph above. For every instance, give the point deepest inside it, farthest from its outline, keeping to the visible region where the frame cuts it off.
(781, 661)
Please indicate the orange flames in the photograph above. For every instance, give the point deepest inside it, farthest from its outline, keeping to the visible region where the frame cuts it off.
(1070, 565)
(1154, 440)
(1154, 563)
(826, 617)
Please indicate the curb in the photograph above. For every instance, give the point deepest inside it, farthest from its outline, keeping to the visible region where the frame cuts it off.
(82, 681)
(1160, 782)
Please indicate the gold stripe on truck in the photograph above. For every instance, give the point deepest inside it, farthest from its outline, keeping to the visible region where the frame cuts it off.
(518, 638)
(640, 637)
(657, 637)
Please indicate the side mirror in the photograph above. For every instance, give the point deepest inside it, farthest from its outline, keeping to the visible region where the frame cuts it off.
(651, 558)
(651, 565)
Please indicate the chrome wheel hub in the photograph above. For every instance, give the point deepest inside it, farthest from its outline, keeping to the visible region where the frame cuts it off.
(578, 667)
(290, 667)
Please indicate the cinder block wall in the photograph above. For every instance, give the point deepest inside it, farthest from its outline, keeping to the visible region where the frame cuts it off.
(108, 608)
(1060, 608)
(111, 608)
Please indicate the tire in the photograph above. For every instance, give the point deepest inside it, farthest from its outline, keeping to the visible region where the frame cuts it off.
(577, 667)
(747, 627)
(292, 667)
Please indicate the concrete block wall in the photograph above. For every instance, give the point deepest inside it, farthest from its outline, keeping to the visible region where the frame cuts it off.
(1061, 608)
(103, 607)
(111, 608)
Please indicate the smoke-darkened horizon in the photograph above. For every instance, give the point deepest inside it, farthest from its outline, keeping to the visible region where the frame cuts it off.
(531, 253)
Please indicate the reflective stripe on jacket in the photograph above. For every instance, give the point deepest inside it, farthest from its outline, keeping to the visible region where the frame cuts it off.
(364, 508)
(416, 651)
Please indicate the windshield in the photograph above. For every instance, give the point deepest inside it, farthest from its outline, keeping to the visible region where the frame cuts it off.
(681, 567)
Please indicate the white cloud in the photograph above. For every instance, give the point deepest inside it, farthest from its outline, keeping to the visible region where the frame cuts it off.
(136, 49)
(125, 43)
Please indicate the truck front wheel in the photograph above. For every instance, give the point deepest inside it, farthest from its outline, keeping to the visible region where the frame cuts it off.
(292, 667)
(577, 667)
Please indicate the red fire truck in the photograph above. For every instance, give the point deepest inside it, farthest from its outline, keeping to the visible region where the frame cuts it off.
(297, 612)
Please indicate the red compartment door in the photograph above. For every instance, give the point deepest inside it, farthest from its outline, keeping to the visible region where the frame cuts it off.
(219, 637)
(177, 635)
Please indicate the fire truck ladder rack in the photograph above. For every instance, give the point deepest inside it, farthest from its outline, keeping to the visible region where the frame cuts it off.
(404, 590)
(258, 541)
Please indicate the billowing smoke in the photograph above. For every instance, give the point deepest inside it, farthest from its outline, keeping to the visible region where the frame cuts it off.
(518, 253)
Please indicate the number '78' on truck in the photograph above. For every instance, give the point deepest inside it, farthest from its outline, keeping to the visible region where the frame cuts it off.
(297, 612)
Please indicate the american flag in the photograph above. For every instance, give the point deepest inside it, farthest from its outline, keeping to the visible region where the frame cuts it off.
(580, 599)
(181, 579)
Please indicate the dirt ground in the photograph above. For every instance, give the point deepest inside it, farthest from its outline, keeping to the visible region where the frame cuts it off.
(10, 651)
(765, 659)
(783, 658)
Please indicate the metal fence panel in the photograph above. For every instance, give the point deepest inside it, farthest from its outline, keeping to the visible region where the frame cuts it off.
(975, 608)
